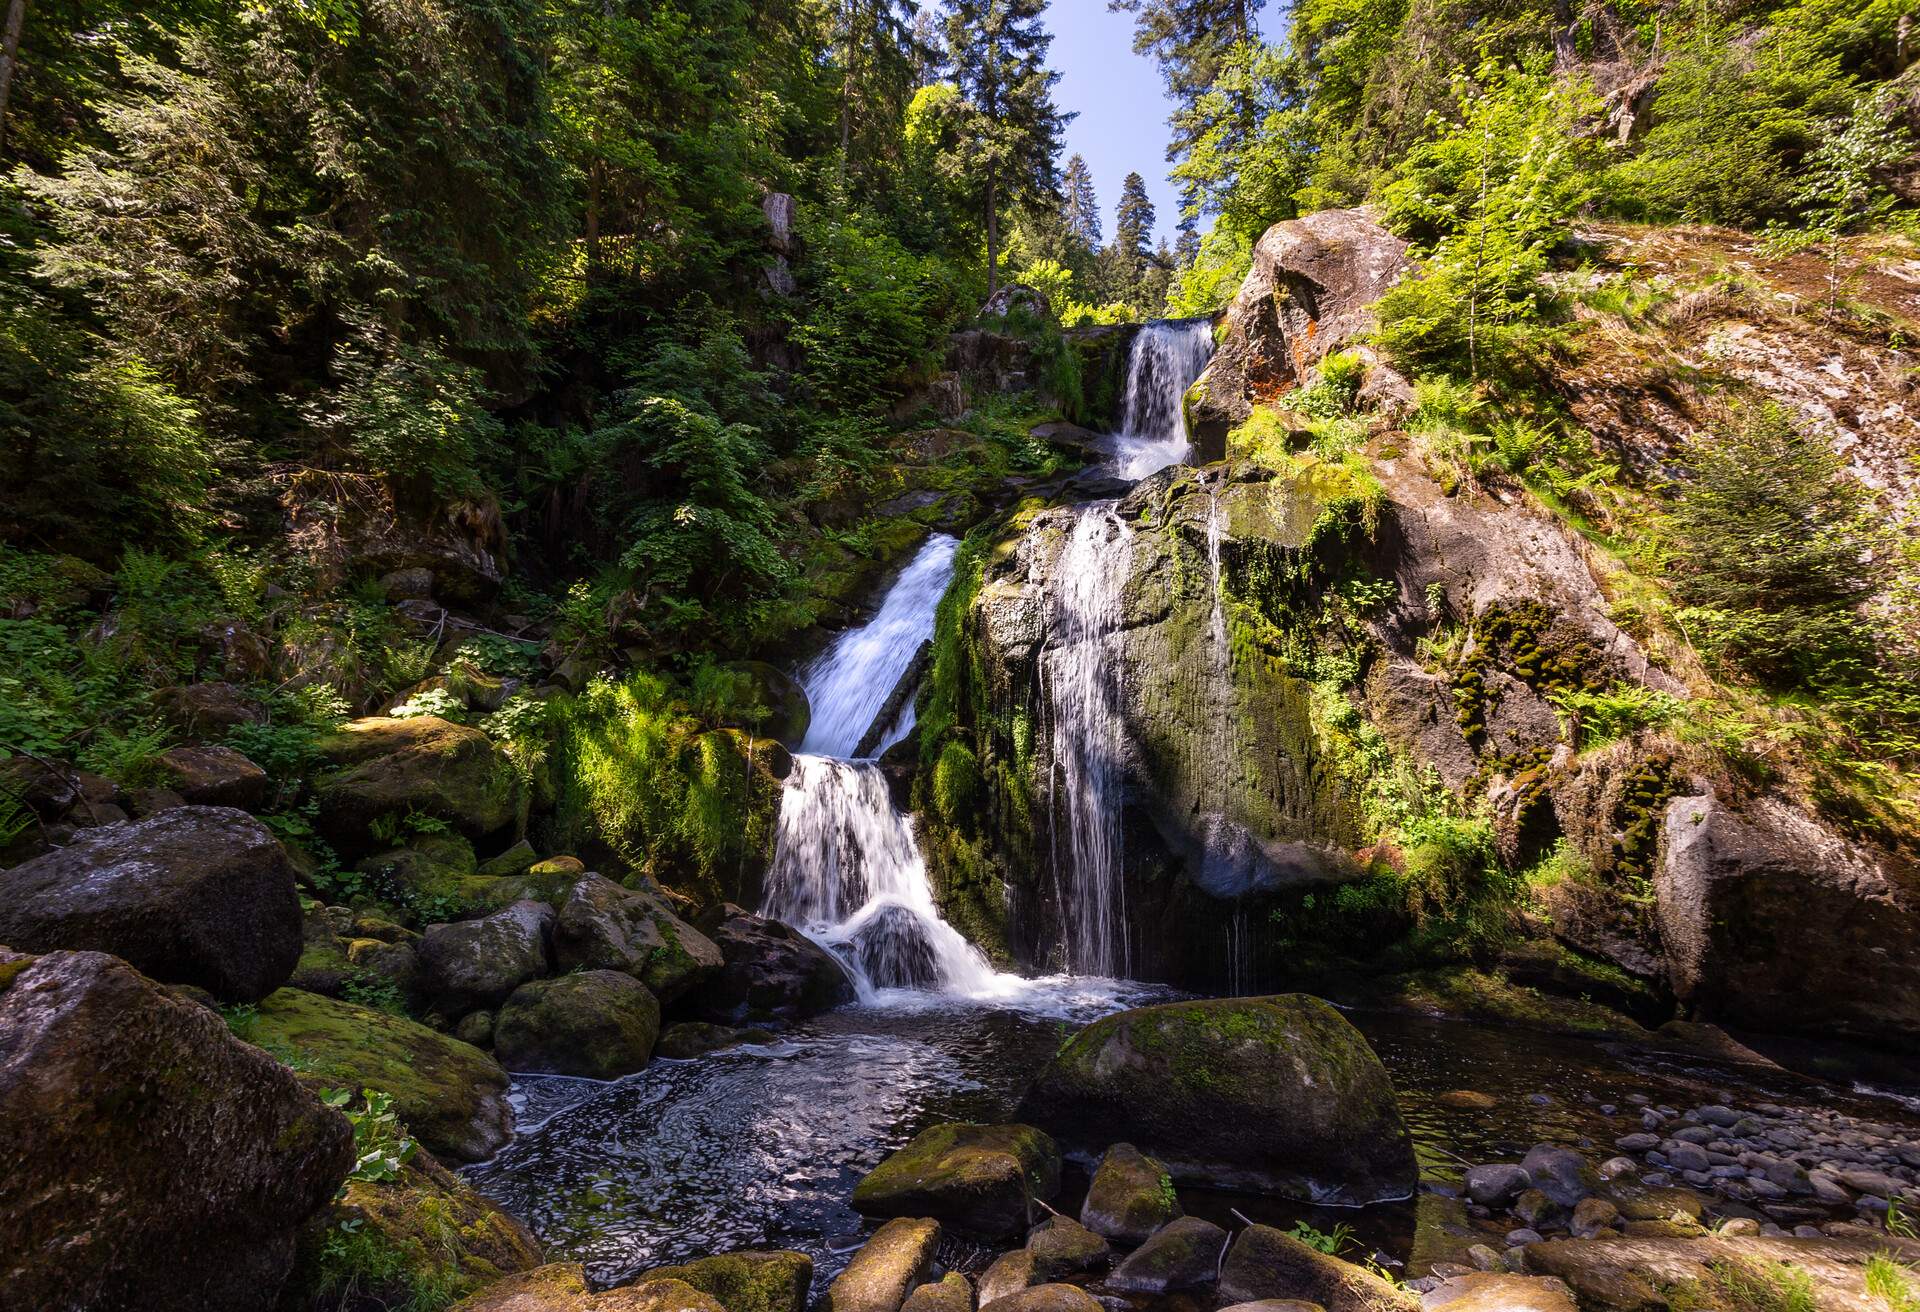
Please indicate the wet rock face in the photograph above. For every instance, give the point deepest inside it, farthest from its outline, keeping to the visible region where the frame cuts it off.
(596, 1023)
(1309, 293)
(1774, 923)
(978, 1178)
(154, 1161)
(1278, 1095)
(471, 964)
(192, 895)
(603, 926)
(771, 971)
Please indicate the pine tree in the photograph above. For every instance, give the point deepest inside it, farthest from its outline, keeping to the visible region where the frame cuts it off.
(1079, 204)
(1010, 134)
(1192, 41)
(881, 65)
(1133, 223)
(1186, 249)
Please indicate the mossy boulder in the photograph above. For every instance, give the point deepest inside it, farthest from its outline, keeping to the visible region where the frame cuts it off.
(200, 895)
(887, 1267)
(562, 1287)
(771, 971)
(426, 766)
(1182, 1254)
(1061, 1246)
(597, 1023)
(748, 1281)
(153, 1160)
(950, 1293)
(472, 964)
(1130, 1197)
(450, 1094)
(603, 926)
(216, 776)
(1009, 1274)
(693, 1038)
(425, 1234)
(1047, 1298)
(1278, 1095)
(979, 1178)
(1265, 1263)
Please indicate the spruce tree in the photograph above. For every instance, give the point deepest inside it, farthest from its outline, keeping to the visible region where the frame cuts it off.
(1133, 232)
(1079, 204)
(1010, 133)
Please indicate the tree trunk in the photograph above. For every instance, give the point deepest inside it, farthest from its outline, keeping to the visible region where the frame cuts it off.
(993, 236)
(10, 58)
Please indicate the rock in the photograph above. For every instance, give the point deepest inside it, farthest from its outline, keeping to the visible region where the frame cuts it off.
(600, 1024)
(770, 972)
(1278, 1095)
(1560, 1173)
(748, 1281)
(208, 711)
(435, 1233)
(1615, 1168)
(603, 926)
(1009, 1274)
(1684, 1156)
(1062, 1246)
(1017, 298)
(153, 1160)
(1497, 1185)
(1491, 1292)
(951, 1293)
(886, 1268)
(516, 860)
(476, 1028)
(1309, 293)
(1766, 916)
(1618, 1271)
(1537, 1210)
(978, 1178)
(694, 1038)
(1265, 1263)
(471, 964)
(1468, 1100)
(1183, 1254)
(1637, 1143)
(195, 895)
(1047, 1298)
(562, 1287)
(1131, 1196)
(1276, 1305)
(216, 776)
(418, 766)
(451, 1095)
(1592, 1216)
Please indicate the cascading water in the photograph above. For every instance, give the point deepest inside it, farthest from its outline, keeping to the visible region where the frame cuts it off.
(1167, 355)
(1082, 672)
(846, 869)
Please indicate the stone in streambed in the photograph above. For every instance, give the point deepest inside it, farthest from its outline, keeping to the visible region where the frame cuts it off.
(749, 1281)
(693, 1038)
(1009, 1274)
(1131, 1196)
(1497, 1184)
(600, 1024)
(1062, 1246)
(1183, 1254)
(771, 971)
(976, 1177)
(562, 1287)
(603, 926)
(1278, 1095)
(1592, 1216)
(1560, 1173)
(154, 1161)
(1047, 1298)
(1483, 1291)
(200, 895)
(951, 1293)
(1265, 1263)
(1276, 1305)
(887, 1267)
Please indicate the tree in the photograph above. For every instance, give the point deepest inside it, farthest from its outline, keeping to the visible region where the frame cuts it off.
(1840, 186)
(1079, 204)
(1010, 132)
(9, 58)
(1133, 237)
(880, 68)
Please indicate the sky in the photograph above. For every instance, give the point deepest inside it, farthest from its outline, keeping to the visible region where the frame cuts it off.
(1122, 104)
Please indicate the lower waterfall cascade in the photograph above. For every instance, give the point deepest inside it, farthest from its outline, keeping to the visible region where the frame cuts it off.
(1166, 357)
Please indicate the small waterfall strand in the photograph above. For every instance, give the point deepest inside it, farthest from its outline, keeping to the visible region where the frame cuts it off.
(1167, 355)
(1082, 672)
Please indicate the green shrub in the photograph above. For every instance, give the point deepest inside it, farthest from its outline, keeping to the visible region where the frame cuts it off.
(956, 783)
(1593, 719)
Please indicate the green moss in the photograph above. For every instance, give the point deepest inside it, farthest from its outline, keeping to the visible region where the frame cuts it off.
(748, 1281)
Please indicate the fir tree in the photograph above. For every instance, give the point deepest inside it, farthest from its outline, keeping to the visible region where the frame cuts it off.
(1010, 132)
(1133, 226)
(1079, 204)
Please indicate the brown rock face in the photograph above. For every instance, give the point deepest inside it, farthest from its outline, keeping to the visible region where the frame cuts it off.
(1310, 292)
(217, 776)
(196, 895)
(154, 1161)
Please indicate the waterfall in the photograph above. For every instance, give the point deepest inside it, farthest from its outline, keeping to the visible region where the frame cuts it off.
(1167, 355)
(1081, 668)
(847, 870)
(1217, 622)
(852, 681)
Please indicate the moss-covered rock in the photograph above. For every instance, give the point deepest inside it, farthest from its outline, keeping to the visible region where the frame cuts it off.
(451, 1095)
(422, 766)
(1266, 1263)
(597, 1023)
(1279, 1094)
(887, 1267)
(1130, 1197)
(562, 1287)
(748, 1281)
(603, 926)
(1182, 1254)
(950, 1293)
(694, 1038)
(472, 964)
(1046, 1298)
(423, 1238)
(1062, 1246)
(979, 1178)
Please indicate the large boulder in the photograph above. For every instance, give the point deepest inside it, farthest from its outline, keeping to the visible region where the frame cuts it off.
(192, 895)
(1131, 1196)
(216, 776)
(748, 1281)
(887, 1267)
(208, 710)
(562, 1287)
(1772, 922)
(1624, 1271)
(451, 1095)
(597, 1023)
(979, 1178)
(603, 926)
(1047, 1298)
(1265, 1263)
(1182, 1254)
(153, 1160)
(1310, 292)
(771, 971)
(470, 964)
(1278, 1095)
(416, 766)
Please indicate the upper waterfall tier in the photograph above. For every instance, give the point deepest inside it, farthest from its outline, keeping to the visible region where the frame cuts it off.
(1167, 356)
(851, 682)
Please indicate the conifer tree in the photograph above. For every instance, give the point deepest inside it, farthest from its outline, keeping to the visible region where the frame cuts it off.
(1079, 204)
(1010, 133)
(1133, 227)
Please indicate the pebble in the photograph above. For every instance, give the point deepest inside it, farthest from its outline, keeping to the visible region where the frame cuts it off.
(1636, 1143)
(1714, 1114)
(1688, 1158)
(1522, 1237)
(1616, 1167)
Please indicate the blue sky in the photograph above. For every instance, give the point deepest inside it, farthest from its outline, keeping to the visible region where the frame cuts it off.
(1121, 101)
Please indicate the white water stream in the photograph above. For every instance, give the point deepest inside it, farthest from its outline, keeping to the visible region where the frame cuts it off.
(1166, 357)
